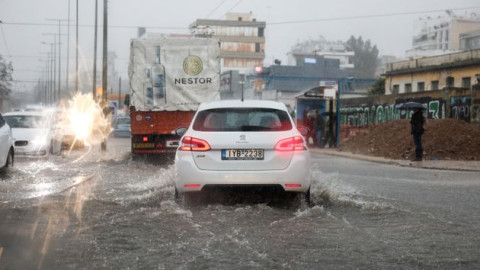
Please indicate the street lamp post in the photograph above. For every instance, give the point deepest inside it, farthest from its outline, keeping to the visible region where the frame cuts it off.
(94, 88)
(46, 77)
(76, 51)
(53, 61)
(54, 44)
(59, 54)
(105, 63)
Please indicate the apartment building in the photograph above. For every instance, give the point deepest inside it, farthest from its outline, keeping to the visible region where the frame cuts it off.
(449, 71)
(242, 40)
(442, 34)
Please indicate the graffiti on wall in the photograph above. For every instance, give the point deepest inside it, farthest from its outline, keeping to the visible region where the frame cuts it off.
(382, 113)
(460, 107)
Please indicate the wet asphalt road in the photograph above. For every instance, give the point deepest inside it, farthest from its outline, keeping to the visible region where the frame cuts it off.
(106, 211)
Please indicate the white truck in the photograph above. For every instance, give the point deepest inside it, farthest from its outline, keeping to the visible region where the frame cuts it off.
(169, 78)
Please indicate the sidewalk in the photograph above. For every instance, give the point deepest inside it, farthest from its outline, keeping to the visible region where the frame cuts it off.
(455, 165)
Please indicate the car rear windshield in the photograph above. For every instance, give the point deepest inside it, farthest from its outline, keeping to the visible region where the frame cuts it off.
(242, 119)
(26, 121)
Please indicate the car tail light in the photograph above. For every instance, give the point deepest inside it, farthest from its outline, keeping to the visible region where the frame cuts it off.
(291, 144)
(145, 139)
(194, 144)
(293, 185)
(192, 185)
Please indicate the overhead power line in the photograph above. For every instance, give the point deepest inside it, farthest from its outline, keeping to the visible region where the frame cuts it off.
(271, 23)
(91, 25)
(234, 6)
(215, 9)
(369, 16)
(4, 38)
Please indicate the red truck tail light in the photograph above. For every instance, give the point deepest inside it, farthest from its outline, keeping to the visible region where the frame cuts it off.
(194, 144)
(291, 144)
(145, 139)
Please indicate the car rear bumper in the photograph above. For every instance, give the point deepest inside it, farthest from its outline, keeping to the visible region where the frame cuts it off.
(188, 178)
(31, 154)
(122, 133)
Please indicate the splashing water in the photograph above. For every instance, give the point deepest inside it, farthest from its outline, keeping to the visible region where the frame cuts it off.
(85, 119)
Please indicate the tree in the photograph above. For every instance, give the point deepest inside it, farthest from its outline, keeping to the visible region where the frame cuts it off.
(365, 58)
(378, 87)
(6, 70)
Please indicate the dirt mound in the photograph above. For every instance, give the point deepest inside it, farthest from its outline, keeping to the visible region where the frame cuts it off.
(445, 139)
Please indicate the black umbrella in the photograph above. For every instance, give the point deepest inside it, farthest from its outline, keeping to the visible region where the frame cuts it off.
(411, 106)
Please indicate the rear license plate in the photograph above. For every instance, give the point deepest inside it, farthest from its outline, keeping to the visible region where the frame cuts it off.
(242, 154)
(172, 143)
(143, 145)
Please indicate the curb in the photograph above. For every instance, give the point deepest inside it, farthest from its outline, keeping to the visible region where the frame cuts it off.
(440, 164)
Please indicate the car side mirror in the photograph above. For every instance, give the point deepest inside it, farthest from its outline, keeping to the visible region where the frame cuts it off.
(181, 131)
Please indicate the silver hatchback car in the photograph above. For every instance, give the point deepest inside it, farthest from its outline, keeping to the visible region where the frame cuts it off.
(242, 143)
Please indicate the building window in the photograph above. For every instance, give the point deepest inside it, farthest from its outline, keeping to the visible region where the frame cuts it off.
(261, 32)
(395, 89)
(434, 85)
(466, 82)
(257, 47)
(351, 60)
(420, 86)
(408, 88)
(450, 82)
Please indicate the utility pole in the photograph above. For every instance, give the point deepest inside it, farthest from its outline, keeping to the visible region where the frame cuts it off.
(94, 88)
(76, 54)
(54, 63)
(59, 54)
(105, 52)
(105, 64)
(68, 49)
(56, 88)
(119, 91)
(52, 79)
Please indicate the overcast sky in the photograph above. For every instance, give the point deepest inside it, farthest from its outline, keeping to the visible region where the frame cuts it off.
(389, 24)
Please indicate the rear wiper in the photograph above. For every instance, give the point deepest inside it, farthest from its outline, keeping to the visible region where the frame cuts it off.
(253, 128)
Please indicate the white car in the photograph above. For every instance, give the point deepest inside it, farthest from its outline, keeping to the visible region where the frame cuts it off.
(7, 152)
(31, 133)
(242, 143)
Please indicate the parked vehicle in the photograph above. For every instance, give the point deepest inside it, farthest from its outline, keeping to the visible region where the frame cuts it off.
(169, 78)
(31, 133)
(242, 143)
(7, 152)
(121, 127)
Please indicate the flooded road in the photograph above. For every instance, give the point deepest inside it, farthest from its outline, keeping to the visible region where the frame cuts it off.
(106, 211)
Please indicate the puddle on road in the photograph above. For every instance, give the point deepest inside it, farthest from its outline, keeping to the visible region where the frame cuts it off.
(128, 218)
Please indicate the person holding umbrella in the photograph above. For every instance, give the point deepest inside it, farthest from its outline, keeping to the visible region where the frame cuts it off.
(417, 123)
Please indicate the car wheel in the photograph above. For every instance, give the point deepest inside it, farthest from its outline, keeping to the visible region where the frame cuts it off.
(299, 200)
(306, 198)
(9, 162)
(187, 199)
(177, 195)
(10, 159)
